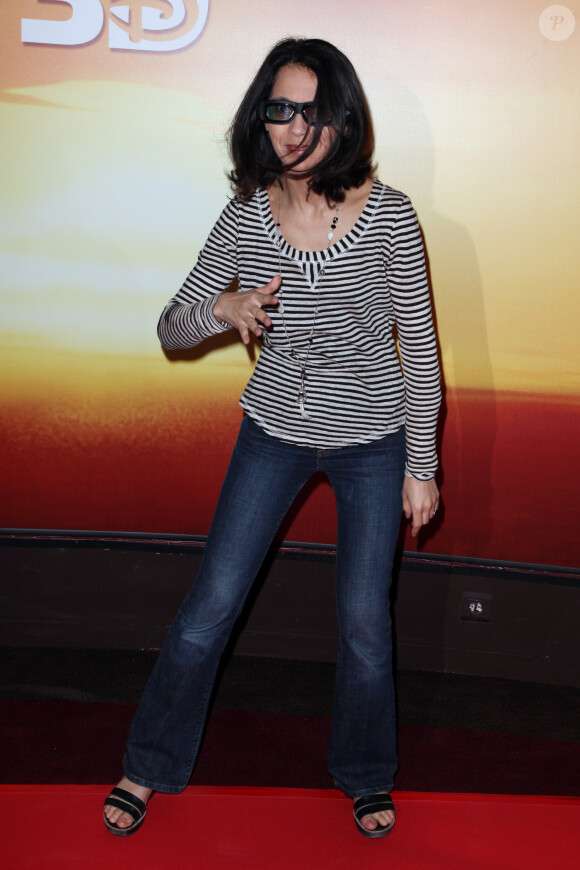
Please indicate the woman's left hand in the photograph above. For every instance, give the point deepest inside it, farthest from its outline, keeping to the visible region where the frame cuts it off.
(420, 502)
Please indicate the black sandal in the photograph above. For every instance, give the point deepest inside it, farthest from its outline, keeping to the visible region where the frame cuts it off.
(130, 804)
(373, 803)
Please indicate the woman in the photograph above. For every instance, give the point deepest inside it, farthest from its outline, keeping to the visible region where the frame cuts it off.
(328, 261)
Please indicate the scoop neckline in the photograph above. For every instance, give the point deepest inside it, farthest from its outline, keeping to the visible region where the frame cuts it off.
(333, 250)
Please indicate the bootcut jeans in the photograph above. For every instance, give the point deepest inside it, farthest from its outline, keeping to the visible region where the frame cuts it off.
(263, 478)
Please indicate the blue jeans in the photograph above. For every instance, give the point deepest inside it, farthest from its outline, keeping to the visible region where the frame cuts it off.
(262, 481)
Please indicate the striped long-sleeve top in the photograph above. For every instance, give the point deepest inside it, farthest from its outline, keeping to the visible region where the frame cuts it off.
(374, 279)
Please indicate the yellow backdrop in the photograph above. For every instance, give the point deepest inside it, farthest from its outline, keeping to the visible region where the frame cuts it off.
(113, 118)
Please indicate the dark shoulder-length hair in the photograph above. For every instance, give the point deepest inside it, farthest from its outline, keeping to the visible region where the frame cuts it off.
(348, 162)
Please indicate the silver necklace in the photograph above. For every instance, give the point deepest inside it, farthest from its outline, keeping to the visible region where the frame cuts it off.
(302, 362)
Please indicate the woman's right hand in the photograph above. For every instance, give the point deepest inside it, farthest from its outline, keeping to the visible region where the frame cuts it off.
(244, 310)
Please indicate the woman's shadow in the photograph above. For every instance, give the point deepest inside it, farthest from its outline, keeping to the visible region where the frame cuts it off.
(467, 426)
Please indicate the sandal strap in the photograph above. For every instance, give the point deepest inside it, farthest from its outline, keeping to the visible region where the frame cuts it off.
(372, 803)
(129, 803)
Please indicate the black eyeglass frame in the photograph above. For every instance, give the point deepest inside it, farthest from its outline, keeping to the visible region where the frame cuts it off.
(298, 108)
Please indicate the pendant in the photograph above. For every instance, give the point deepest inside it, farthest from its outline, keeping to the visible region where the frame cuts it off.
(301, 399)
(303, 412)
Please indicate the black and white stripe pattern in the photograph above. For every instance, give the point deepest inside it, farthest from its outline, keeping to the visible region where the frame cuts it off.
(374, 279)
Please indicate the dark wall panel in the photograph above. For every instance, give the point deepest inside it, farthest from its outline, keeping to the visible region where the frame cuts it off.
(449, 617)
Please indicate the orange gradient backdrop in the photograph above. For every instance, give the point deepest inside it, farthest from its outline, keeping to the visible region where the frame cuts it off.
(112, 173)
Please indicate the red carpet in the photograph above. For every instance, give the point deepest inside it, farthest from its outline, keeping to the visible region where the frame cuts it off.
(59, 827)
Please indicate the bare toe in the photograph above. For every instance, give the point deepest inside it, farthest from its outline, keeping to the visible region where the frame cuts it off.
(369, 822)
(115, 813)
(379, 817)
